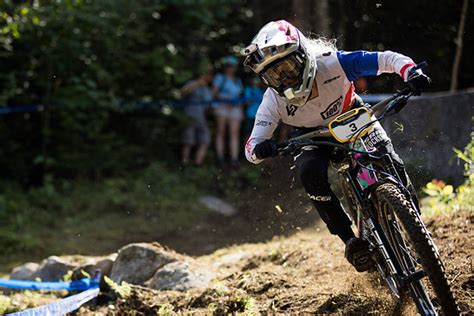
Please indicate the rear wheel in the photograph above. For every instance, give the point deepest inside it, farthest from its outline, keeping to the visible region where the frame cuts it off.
(415, 251)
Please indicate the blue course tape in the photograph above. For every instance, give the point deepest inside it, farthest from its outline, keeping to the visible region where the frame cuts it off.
(62, 307)
(78, 285)
(369, 98)
(21, 109)
(184, 103)
(172, 103)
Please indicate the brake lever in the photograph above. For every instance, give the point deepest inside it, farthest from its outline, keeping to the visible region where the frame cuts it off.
(289, 148)
(420, 66)
(398, 104)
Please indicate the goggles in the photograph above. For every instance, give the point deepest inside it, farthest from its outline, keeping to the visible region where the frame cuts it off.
(284, 73)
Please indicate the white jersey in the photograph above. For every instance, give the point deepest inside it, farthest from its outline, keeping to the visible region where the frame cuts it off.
(336, 71)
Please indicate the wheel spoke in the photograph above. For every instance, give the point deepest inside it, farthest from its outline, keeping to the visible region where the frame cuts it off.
(406, 244)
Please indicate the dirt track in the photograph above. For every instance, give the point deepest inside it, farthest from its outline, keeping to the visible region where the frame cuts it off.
(305, 272)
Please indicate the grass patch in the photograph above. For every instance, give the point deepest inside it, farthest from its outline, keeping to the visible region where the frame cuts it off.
(96, 218)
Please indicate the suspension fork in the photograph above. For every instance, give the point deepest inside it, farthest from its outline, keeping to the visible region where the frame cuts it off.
(365, 221)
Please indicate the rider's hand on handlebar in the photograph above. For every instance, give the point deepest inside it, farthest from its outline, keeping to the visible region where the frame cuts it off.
(266, 149)
(419, 82)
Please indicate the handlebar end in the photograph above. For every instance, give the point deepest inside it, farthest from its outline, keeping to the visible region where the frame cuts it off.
(421, 65)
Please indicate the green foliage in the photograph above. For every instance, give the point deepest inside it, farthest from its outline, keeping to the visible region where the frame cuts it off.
(85, 274)
(123, 290)
(467, 156)
(250, 307)
(88, 62)
(460, 200)
(5, 303)
(443, 198)
(166, 310)
(439, 190)
(67, 276)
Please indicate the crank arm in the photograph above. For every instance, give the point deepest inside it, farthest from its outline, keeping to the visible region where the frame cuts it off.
(413, 277)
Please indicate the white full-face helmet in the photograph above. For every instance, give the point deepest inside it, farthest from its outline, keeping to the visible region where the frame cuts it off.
(278, 54)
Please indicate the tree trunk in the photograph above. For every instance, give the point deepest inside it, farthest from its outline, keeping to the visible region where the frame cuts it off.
(301, 18)
(321, 19)
(258, 15)
(312, 16)
(459, 44)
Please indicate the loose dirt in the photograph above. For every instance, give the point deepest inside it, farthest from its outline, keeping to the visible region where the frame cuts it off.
(305, 272)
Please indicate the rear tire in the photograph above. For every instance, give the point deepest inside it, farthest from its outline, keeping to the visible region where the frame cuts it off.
(390, 197)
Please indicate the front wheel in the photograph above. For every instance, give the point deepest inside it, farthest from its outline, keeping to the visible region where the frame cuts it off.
(415, 251)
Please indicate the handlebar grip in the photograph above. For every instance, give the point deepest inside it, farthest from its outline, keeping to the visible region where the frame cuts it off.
(421, 65)
(282, 145)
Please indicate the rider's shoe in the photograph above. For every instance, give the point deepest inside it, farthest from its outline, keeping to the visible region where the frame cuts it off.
(358, 254)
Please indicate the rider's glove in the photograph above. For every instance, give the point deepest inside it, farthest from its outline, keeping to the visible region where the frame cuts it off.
(419, 82)
(266, 149)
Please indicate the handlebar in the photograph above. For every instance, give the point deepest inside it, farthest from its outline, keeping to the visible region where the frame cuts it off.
(290, 147)
(393, 103)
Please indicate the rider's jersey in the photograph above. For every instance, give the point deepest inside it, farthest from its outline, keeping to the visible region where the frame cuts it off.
(334, 77)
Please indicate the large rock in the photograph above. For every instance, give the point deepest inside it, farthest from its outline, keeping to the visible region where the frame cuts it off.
(25, 271)
(137, 263)
(180, 276)
(53, 269)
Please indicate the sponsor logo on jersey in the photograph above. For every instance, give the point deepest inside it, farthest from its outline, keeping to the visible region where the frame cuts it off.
(263, 123)
(291, 109)
(332, 79)
(332, 109)
(374, 138)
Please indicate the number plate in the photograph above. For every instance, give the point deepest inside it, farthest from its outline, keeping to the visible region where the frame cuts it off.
(352, 123)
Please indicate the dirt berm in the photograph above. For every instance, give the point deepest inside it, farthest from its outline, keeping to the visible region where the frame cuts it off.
(305, 272)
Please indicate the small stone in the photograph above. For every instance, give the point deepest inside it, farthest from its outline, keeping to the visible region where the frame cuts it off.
(24, 272)
(217, 205)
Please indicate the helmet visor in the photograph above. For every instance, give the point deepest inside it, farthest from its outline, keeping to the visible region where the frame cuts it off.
(284, 74)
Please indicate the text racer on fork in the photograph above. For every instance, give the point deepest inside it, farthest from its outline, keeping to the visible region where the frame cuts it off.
(310, 83)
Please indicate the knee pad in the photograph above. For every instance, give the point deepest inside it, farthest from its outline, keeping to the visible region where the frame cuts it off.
(312, 172)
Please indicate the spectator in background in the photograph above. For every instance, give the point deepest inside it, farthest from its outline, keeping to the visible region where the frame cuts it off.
(227, 89)
(199, 95)
(253, 95)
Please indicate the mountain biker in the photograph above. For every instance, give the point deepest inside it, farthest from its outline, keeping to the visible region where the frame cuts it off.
(310, 82)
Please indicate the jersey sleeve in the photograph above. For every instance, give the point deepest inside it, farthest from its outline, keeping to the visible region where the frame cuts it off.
(395, 63)
(358, 64)
(364, 63)
(266, 121)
